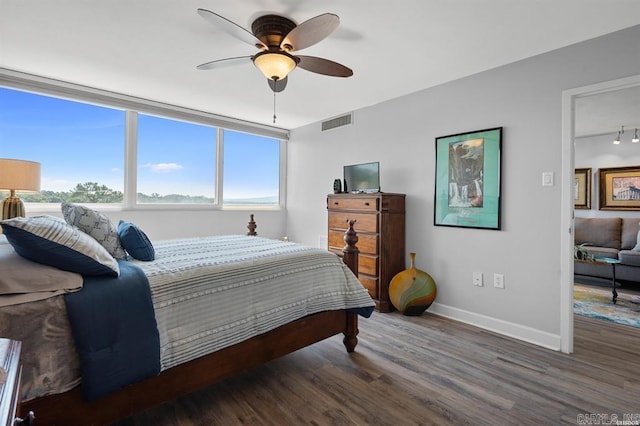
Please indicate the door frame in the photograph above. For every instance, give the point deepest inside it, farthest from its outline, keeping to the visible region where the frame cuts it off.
(566, 224)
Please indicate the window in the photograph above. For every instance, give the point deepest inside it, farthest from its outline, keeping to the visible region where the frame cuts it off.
(80, 146)
(176, 161)
(251, 169)
(82, 149)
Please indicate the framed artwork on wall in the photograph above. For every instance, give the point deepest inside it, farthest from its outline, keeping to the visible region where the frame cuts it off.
(468, 179)
(619, 188)
(582, 189)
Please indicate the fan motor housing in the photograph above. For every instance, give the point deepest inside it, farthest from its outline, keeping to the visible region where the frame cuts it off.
(272, 29)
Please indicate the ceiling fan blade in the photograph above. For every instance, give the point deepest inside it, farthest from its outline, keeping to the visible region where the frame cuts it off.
(278, 85)
(223, 63)
(323, 66)
(310, 32)
(231, 28)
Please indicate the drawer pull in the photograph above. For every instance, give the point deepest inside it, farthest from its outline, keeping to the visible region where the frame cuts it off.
(366, 203)
(335, 203)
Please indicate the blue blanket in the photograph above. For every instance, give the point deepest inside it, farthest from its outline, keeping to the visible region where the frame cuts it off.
(115, 331)
(363, 312)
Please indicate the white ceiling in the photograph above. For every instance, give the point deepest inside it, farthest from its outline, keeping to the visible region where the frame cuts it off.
(150, 48)
(606, 113)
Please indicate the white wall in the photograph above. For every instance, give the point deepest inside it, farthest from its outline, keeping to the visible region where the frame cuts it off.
(598, 152)
(167, 224)
(526, 99)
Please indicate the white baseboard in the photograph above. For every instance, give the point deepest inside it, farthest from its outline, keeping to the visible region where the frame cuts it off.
(517, 331)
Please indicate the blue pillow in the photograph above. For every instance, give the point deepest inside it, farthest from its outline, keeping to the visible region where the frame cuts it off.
(135, 242)
(51, 241)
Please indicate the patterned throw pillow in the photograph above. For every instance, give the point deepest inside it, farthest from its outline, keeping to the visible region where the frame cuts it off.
(51, 241)
(95, 224)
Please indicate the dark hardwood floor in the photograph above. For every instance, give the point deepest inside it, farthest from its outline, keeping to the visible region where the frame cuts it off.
(426, 370)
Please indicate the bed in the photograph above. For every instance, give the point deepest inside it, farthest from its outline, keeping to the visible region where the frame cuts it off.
(222, 305)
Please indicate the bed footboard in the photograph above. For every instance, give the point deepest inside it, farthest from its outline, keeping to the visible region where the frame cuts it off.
(69, 408)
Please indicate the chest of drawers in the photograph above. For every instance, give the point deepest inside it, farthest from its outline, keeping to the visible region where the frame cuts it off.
(380, 224)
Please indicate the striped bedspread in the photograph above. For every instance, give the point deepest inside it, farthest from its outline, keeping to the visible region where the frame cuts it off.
(213, 292)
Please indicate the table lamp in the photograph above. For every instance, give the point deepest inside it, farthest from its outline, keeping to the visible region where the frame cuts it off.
(17, 175)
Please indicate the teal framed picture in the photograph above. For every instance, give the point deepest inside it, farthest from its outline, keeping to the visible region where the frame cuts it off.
(468, 181)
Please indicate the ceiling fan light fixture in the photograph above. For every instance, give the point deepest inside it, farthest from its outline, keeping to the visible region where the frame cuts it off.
(274, 65)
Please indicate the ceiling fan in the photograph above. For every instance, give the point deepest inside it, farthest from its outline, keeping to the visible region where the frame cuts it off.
(278, 38)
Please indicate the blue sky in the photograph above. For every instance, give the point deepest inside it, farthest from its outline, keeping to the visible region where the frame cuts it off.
(78, 142)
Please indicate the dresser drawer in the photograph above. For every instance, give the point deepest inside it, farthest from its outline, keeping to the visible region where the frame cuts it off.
(368, 265)
(367, 243)
(365, 222)
(356, 203)
(370, 283)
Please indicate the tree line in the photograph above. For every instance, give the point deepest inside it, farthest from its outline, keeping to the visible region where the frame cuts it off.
(93, 192)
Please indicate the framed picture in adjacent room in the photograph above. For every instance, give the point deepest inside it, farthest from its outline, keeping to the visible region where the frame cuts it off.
(468, 179)
(619, 188)
(582, 189)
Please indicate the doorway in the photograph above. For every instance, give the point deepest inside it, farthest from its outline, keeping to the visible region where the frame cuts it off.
(569, 98)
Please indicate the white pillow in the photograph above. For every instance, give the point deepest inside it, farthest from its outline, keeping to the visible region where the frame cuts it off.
(637, 247)
(97, 225)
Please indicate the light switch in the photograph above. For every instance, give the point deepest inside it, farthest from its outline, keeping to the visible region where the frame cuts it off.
(547, 178)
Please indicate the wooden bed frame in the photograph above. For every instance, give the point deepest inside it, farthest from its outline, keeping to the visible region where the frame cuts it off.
(69, 408)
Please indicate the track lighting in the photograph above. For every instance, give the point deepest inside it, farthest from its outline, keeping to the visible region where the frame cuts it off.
(618, 138)
(616, 141)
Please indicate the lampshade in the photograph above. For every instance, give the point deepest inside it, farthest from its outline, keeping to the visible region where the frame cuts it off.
(17, 175)
(274, 65)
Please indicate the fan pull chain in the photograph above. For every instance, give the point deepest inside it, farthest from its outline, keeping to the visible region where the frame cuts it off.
(274, 106)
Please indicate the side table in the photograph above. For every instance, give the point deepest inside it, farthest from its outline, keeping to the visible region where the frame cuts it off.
(9, 380)
(613, 262)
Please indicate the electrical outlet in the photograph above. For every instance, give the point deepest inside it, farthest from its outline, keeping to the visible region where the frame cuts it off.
(498, 280)
(477, 279)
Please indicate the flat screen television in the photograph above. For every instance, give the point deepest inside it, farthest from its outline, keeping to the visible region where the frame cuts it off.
(363, 177)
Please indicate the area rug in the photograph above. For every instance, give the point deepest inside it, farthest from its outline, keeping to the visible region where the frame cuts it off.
(595, 302)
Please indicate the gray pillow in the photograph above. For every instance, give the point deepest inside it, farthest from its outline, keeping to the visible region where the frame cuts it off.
(96, 225)
(637, 247)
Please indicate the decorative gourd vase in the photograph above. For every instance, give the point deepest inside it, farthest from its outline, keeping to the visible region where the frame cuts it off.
(412, 291)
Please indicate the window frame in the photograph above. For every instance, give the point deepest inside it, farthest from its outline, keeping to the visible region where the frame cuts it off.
(132, 106)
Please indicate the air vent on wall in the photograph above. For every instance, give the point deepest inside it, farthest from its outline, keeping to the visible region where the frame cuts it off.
(343, 120)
